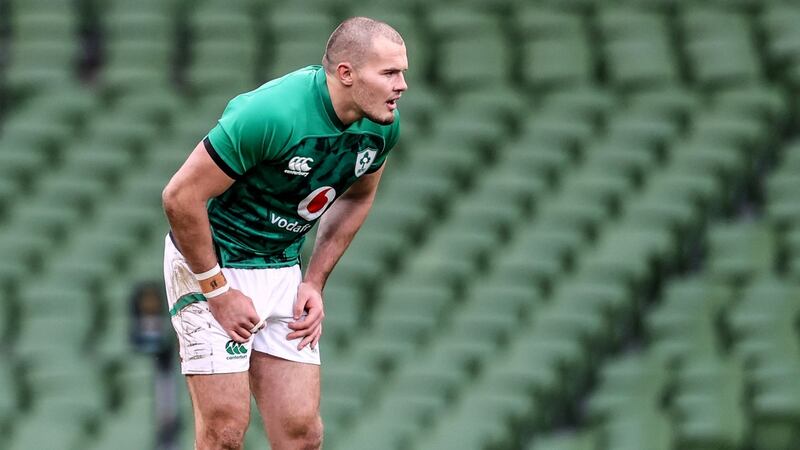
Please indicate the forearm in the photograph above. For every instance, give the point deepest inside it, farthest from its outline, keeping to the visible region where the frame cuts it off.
(188, 219)
(335, 232)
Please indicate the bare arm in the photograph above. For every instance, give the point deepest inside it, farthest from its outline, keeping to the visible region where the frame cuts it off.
(336, 230)
(185, 198)
(338, 227)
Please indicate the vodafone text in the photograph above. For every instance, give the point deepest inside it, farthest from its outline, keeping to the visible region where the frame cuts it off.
(289, 226)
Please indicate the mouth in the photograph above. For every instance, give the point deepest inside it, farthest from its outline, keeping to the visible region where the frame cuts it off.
(392, 104)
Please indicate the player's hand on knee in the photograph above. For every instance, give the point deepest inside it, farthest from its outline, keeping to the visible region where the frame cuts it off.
(308, 327)
(236, 313)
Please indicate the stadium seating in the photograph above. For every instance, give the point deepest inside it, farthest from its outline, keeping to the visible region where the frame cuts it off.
(586, 239)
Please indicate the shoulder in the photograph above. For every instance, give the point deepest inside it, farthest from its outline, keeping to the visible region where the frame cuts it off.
(277, 101)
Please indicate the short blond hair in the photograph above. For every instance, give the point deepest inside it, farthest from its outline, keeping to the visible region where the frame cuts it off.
(352, 40)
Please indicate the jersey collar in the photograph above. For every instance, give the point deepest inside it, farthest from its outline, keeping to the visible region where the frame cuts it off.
(325, 96)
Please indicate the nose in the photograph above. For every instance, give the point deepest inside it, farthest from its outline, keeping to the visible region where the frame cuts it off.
(401, 86)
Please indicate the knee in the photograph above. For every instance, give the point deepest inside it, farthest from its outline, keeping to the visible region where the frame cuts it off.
(306, 431)
(224, 432)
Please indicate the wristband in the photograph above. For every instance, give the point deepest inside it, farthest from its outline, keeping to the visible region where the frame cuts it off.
(208, 274)
(217, 292)
(213, 284)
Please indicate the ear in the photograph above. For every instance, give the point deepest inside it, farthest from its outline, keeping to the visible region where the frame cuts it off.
(344, 71)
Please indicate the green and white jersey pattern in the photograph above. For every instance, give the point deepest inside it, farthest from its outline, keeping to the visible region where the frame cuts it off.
(290, 157)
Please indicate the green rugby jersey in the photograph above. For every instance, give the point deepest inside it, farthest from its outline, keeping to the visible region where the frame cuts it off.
(290, 157)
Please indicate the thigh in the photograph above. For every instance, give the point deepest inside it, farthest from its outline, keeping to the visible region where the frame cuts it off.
(286, 392)
(220, 400)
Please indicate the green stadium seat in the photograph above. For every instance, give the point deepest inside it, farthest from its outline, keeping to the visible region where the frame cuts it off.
(69, 191)
(222, 26)
(49, 429)
(140, 25)
(507, 299)
(637, 64)
(628, 432)
(715, 159)
(154, 6)
(708, 405)
(41, 216)
(674, 101)
(580, 440)
(598, 185)
(476, 424)
(702, 191)
(631, 382)
(83, 392)
(628, 254)
(341, 381)
(213, 54)
(381, 432)
(748, 135)
(700, 21)
(521, 271)
(514, 192)
(41, 62)
(37, 131)
(555, 242)
(404, 218)
(294, 22)
(132, 54)
(136, 78)
(625, 23)
(575, 213)
(590, 102)
(118, 433)
(740, 65)
(43, 26)
(740, 252)
(636, 127)
(474, 61)
(611, 299)
(535, 22)
(619, 158)
(534, 157)
(221, 80)
(762, 102)
(586, 327)
(767, 303)
(153, 105)
(293, 55)
(557, 63)
(105, 163)
(560, 129)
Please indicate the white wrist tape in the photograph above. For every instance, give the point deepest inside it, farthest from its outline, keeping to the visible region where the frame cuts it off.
(219, 291)
(208, 274)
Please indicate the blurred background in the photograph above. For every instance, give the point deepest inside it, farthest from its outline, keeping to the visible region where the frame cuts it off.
(586, 239)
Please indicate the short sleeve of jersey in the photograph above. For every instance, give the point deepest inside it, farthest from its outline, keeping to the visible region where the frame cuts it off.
(246, 134)
(391, 140)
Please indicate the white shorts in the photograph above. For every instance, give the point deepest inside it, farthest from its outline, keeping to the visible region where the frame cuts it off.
(205, 348)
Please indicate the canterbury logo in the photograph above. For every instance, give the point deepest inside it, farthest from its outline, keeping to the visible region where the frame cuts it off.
(234, 348)
(299, 165)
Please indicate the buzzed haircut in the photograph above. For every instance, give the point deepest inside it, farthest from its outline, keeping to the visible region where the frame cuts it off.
(352, 40)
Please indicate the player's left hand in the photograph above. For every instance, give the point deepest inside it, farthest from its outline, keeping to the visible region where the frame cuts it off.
(309, 299)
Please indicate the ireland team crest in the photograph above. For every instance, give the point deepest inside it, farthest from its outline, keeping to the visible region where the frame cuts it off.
(364, 160)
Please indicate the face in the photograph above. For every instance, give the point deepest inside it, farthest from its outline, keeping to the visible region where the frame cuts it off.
(380, 80)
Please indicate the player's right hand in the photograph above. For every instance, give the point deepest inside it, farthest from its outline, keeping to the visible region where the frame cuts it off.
(236, 313)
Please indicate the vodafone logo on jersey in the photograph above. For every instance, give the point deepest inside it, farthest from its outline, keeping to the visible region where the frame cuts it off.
(316, 202)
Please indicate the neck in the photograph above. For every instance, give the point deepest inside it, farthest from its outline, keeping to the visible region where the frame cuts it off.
(345, 108)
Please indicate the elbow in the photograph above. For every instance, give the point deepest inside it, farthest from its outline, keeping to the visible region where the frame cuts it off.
(170, 198)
